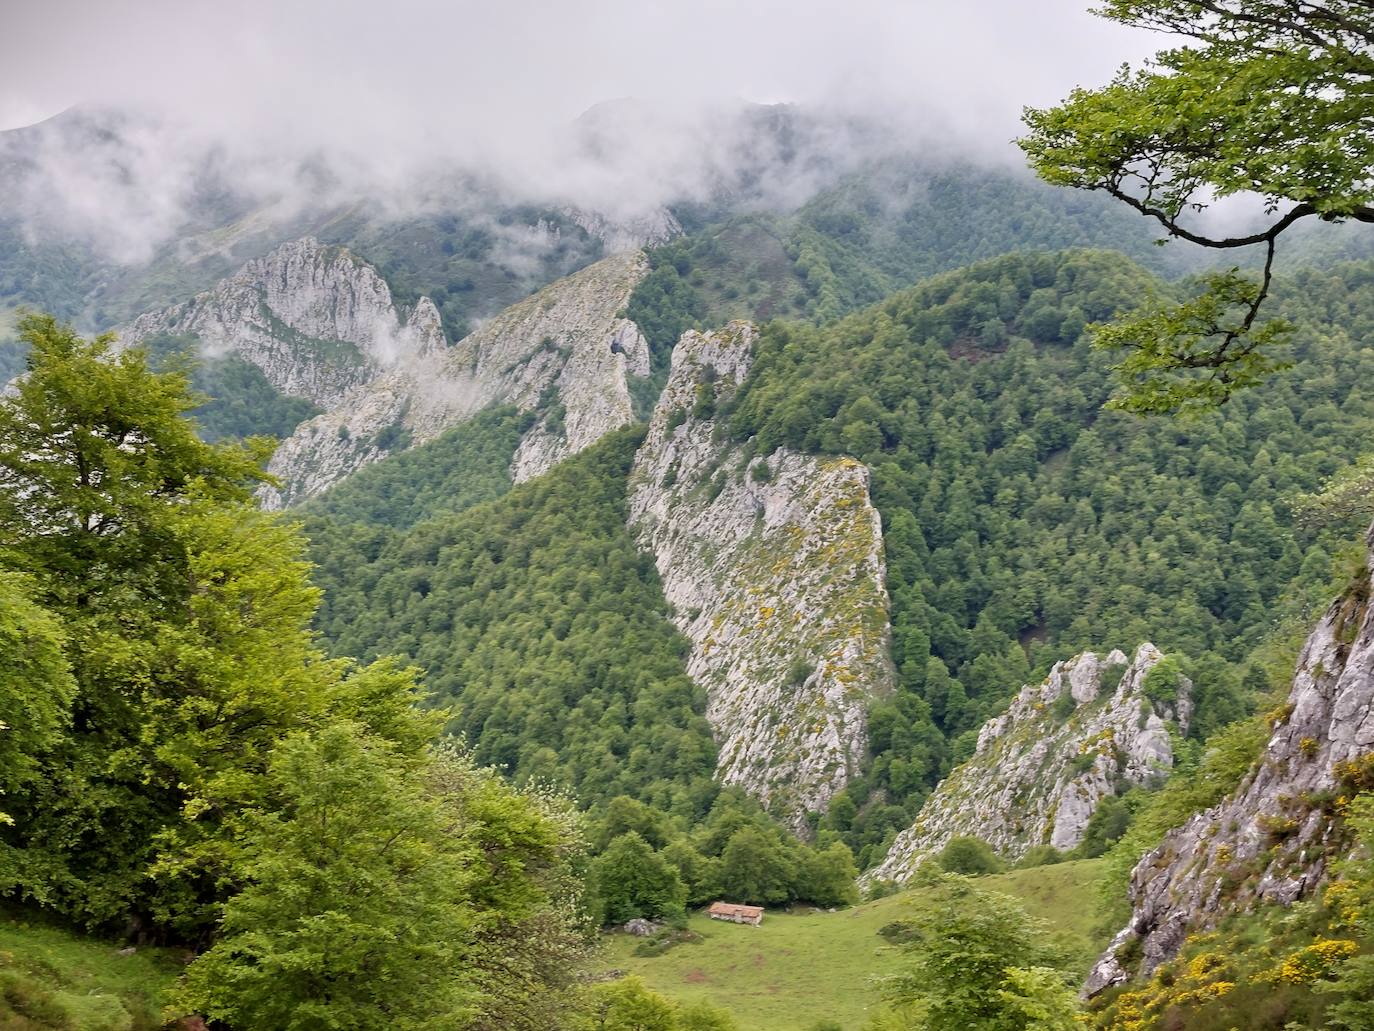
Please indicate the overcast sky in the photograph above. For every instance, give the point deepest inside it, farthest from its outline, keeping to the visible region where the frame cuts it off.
(401, 72)
(385, 89)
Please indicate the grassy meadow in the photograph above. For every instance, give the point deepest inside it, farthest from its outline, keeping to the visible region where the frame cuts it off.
(798, 969)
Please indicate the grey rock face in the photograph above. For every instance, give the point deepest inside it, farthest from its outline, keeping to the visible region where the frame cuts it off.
(1220, 860)
(564, 352)
(322, 324)
(1043, 766)
(776, 576)
(316, 320)
(627, 234)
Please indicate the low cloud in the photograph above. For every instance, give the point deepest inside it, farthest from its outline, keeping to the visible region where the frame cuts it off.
(312, 103)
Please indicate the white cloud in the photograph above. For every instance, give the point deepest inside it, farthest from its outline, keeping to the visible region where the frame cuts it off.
(383, 94)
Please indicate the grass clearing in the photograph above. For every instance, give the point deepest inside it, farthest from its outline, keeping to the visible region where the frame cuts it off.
(54, 978)
(801, 968)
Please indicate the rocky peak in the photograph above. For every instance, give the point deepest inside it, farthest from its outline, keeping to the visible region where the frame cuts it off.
(1094, 727)
(315, 319)
(1271, 840)
(564, 353)
(774, 568)
(657, 226)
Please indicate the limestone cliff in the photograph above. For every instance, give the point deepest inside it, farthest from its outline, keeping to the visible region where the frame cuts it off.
(322, 324)
(1272, 839)
(774, 568)
(564, 352)
(316, 320)
(1043, 766)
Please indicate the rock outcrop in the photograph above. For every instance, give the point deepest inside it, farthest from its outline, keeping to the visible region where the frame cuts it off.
(1272, 839)
(774, 568)
(564, 353)
(322, 324)
(659, 225)
(316, 320)
(1091, 729)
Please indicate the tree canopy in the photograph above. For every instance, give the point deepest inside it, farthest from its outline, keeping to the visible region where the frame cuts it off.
(180, 761)
(1268, 98)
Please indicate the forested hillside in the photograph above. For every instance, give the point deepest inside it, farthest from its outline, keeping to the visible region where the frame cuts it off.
(1022, 524)
(539, 621)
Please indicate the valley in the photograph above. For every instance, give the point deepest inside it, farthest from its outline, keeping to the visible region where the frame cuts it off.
(436, 567)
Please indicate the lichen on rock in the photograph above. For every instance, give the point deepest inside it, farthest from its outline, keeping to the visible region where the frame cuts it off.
(1272, 839)
(322, 324)
(1043, 766)
(774, 568)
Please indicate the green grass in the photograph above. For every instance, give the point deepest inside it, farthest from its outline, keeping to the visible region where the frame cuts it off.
(54, 978)
(798, 969)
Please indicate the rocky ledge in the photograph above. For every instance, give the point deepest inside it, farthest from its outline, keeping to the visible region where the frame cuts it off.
(1093, 728)
(1272, 839)
(774, 567)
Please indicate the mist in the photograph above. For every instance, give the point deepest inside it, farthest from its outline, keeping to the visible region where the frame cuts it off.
(610, 106)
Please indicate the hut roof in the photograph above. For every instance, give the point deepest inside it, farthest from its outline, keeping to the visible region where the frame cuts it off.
(731, 909)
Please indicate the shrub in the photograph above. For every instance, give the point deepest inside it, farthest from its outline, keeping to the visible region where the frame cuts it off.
(970, 856)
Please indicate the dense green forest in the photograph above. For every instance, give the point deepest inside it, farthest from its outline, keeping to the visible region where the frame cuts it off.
(1022, 524)
(539, 620)
(181, 764)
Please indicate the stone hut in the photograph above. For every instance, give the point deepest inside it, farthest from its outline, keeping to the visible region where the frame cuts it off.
(752, 915)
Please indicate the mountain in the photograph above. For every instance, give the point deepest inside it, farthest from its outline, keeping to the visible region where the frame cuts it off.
(866, 537)
(1096, 727)
(316, 320)
(323, 326)
(564, 353)
(1271, 841)
(773, 566)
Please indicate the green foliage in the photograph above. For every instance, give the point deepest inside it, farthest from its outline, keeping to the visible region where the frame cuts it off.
(1262, 98)
(471, 263)
(1023, 524)
(36, 688)
(1191, 788)
(1040, 855)
(462, 467)
(240, 402)
(540, 622)
(735, 852)
(663, 305)
(977, 960)
(1272, 968)
(1346, 500)
(1162, 682)
(1108, 822)
(755, 868)
(627, 1005)
(879, 229)
(804, 965)
(386, 886)
(629, 880)
(1194, 354)
(972, 857)
(219, 780)
(351, 887)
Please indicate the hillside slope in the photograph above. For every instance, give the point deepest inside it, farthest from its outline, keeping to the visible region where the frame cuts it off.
(1274, 838)
(1041, 768)
(773, 566)
(799, 969)
(565, 353)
